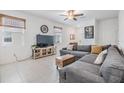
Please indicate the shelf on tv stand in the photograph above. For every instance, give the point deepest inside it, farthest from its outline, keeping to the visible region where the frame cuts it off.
(43, 52)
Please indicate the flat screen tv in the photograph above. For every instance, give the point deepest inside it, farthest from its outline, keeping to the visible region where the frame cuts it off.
(45, 40)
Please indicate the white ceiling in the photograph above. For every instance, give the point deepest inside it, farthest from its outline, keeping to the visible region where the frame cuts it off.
(88, 14)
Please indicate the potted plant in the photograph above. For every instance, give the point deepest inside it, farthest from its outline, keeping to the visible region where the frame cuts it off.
(34, 46)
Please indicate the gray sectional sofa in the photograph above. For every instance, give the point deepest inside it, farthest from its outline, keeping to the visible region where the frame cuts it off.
(85, 71)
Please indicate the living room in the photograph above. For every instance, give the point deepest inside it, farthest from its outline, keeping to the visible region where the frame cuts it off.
(16, 59)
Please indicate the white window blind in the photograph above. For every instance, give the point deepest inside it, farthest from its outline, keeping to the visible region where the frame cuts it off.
(58, 35)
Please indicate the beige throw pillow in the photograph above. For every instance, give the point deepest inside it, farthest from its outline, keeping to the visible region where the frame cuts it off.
(100, 58)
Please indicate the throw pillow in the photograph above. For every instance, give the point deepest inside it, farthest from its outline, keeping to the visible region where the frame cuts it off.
(100, 58)
(95, 49)
(74, 45)
(70, 47)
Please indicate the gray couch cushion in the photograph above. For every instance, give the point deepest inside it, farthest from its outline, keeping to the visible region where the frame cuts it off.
(82, 72)
(90, 58)
(85, 48)
(80, 66)
(79, 53)
(112, 68)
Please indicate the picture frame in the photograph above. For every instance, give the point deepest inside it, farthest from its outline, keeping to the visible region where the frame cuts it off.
(89, 32)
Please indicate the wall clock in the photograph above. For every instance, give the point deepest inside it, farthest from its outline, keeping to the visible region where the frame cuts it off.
(44, 29)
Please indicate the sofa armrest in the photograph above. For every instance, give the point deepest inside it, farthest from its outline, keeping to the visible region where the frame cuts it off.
(64, 52)
(65, 48)
(121, 71)
(114, 74)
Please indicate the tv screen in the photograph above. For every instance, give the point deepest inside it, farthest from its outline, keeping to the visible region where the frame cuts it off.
(45, 40)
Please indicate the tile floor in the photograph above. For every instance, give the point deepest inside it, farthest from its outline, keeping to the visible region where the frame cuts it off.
(41, 70)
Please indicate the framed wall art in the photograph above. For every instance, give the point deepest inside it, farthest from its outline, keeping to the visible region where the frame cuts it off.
(89, 32)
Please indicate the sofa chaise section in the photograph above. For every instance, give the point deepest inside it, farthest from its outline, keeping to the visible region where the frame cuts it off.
(80, 72)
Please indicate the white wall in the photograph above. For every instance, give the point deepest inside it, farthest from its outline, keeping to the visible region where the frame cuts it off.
(108, 31)
(22, 46)
(96, 31)
(80, 32)
(104, 30)
(121, 28)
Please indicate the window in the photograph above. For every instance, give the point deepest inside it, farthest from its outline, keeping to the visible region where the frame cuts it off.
(11, 21)
(58, 38)
(58, 34)
(9, 26)
(7, 38)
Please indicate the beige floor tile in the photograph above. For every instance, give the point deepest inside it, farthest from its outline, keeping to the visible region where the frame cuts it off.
(42, 70)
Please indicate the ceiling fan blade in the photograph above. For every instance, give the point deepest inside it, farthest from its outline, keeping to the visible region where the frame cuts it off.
(62, 15)
(65, 19)
(78, 14)
(83, 17)
(75, 19)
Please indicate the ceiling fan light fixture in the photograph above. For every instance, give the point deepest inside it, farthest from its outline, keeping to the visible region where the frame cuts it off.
(70, 17)
(70, 14)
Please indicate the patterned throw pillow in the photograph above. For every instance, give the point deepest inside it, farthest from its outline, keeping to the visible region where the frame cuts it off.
(96, 49)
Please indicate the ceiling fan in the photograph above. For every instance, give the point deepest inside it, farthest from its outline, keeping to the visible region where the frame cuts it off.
(70, 14)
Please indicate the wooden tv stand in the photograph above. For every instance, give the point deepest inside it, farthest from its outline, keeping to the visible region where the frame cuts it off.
(43, 52)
